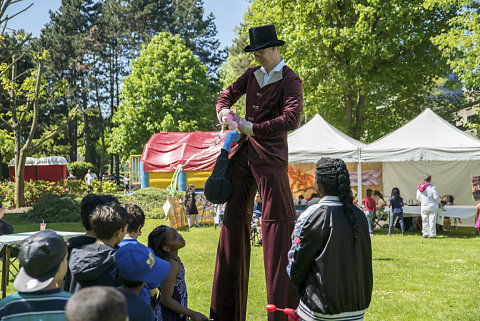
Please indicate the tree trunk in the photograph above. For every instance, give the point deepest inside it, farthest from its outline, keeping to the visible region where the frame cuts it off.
(20, 157)
(359, 116)
(348, 113)
(117, 167)
(86, 123)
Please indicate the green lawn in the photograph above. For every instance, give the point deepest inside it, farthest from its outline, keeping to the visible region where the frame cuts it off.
(414, 278)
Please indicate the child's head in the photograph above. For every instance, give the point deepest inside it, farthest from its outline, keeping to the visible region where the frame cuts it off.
(110, 222)
(300, 197)
(395, 192)
(332, 178)
(428, 177)
(377, 194)
(137, 218)
(163, 240)
(257, 198)
(369, 192)
(451, 199)
(88, 205)
(97, 303)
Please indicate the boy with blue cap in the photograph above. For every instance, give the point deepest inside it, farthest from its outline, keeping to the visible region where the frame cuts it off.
(138, 266)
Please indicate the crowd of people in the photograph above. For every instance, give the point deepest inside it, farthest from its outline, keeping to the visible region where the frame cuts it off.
(104, 274)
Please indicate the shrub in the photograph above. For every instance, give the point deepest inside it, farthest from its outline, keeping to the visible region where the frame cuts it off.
(34, 190)
(55, 208)
(150, 199)
(79, 169)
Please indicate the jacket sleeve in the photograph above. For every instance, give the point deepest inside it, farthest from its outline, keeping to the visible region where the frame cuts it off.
(435, 195)
(292, 110)
(232, 93)
(308, 245)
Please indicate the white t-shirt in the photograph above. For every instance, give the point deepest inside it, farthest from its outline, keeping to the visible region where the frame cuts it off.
(90, 177)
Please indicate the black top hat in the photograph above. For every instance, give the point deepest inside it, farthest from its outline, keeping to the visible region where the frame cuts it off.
(263, 37)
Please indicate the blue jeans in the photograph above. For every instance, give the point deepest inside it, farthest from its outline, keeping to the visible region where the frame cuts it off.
(392, 220)
(369, 215)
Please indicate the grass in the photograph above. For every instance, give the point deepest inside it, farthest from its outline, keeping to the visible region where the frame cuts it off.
(414, 278)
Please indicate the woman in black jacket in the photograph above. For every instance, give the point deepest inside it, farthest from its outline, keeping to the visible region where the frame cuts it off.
(330, 261)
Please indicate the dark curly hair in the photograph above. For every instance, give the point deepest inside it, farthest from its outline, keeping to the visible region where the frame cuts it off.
(333, 175)
(157, 240)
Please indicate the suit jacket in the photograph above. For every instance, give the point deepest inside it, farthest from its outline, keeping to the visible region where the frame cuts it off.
(274, 109)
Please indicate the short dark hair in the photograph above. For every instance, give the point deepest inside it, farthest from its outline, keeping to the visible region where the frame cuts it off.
(97, 303)
(369, 192)
(107, 219)
(130, 283)
(428, 177)
(300, 197)
(89, 203)
(137, 217)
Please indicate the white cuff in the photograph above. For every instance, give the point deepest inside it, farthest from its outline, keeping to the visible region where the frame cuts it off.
(222, 113)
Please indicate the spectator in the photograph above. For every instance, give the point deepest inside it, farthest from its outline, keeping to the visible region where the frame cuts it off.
(300, 200)
(396, 204)
(171, 303)
(477, 219)
(94, 264)
(428, 197)
(97, 303)
(313, 199)
(257, 207)
(219, 211)
(369, 208)
(126, 184)
(191, 206)
(71, 176)
(330, 260)
(87, 207)
(43, 264)
(89, 177)
(138, 266)
(5, 228)
(134, 230)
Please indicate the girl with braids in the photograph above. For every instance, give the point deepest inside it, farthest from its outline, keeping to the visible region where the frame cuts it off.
(330, 260)
(171, 302)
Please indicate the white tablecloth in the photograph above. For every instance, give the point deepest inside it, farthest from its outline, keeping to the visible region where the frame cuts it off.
(20, 237)
(449, 210)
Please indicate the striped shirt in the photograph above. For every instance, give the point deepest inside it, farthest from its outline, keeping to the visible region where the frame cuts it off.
(46, 305)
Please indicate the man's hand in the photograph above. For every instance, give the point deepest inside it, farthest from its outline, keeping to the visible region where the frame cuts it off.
(246, 127)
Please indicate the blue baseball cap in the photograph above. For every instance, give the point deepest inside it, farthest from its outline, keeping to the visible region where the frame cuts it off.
(136, 262)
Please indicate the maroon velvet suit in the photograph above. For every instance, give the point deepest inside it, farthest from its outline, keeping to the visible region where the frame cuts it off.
(261, 161)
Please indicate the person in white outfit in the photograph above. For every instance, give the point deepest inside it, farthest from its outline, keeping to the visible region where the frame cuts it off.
(429, 199)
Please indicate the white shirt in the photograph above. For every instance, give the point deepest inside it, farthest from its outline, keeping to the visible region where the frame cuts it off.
(90, 177)
(276, 69)
(429, 197)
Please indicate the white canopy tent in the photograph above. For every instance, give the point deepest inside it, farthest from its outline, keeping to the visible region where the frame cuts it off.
(317, 138)
(427, 144)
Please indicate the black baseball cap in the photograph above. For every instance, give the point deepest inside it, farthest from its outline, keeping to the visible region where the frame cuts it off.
(40, 256)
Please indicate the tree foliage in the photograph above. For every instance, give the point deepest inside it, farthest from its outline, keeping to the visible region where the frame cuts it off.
(167, 90)
(356, 55)
(460, 44)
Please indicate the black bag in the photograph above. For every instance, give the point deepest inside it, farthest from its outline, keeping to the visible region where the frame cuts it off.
(219, 187)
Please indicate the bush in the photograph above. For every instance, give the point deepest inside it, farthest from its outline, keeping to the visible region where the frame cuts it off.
(55, 208)
(150, 199)
(80, 169)
(34, 190)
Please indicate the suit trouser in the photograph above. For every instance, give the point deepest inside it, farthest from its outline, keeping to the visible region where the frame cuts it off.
(429, 220)
(230, 283)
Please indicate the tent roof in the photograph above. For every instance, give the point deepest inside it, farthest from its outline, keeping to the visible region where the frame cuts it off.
(29, 161)
(52, 160)
(428, 137)
(165, 151)
(317, 138)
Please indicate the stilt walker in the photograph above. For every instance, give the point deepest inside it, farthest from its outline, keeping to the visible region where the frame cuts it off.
(274, 106)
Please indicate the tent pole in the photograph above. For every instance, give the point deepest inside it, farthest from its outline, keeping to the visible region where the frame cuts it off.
(359, 178)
